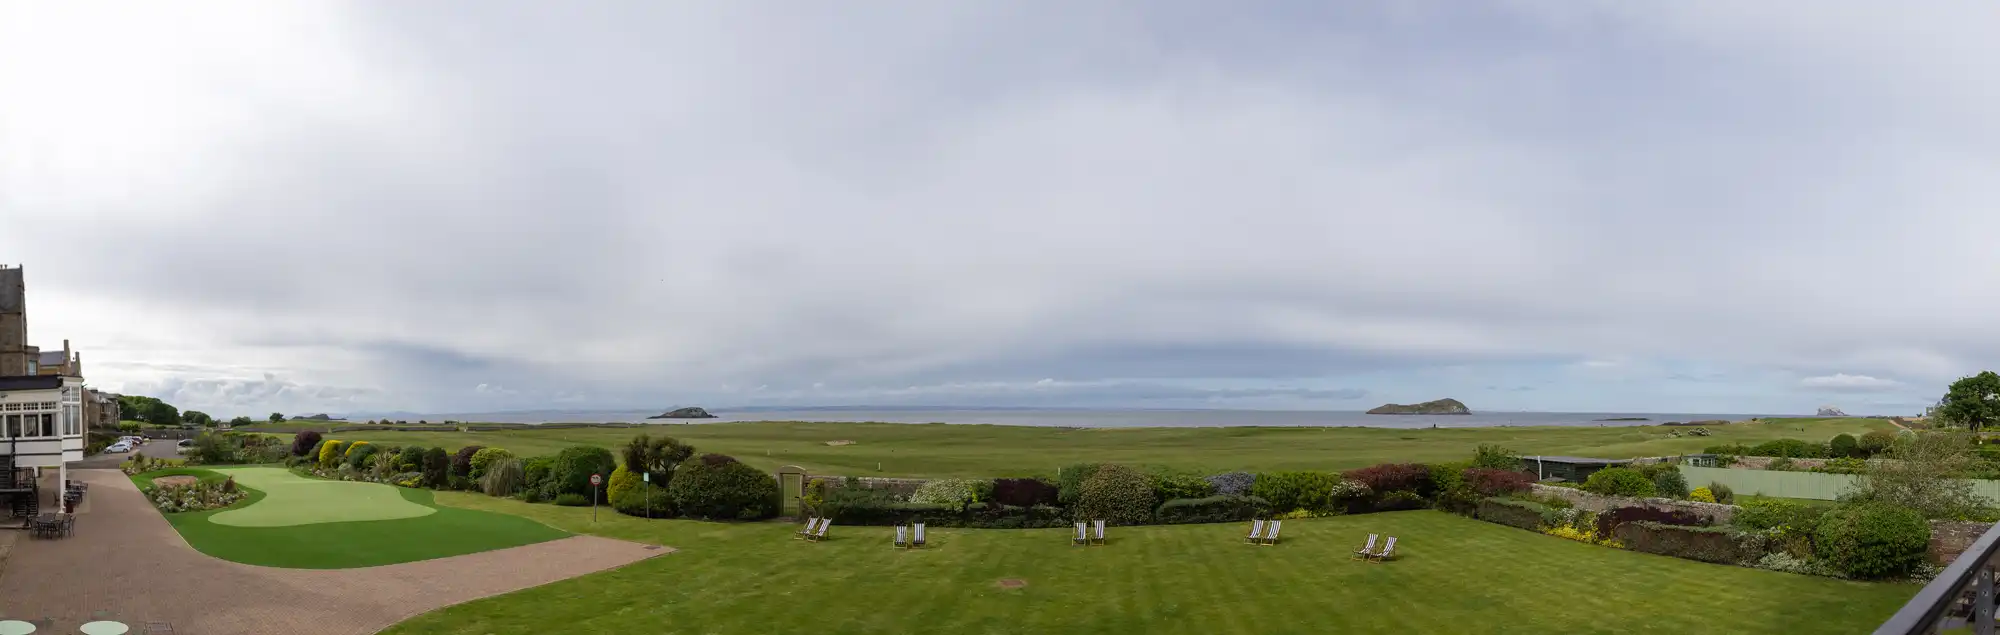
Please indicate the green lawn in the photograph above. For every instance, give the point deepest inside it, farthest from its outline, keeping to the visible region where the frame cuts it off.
(445, 531)
(953, 450)
(293, 500)
(1456, 575)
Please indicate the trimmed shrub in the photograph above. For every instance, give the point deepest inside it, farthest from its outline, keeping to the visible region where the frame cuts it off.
(570, 473)
(1291, 491)
(1875, 442)
(1493, 482)
(1069, 481)
(358, 457)
(461, 461)
(330, 454)
(1619, 481)
(1399, 501)
(410, 459)
(1233, 483)
(1116, 494)
(621, 481)
(1843, 465)
(1169, 485)
(1778, 514)
(855, 505)
(572, 500)
(484, 458)
(1024, 492)
(1513, 513)
(1702, 495)
(952, 493)
(644, 503)
(1720, 545)
(1844, 445)
(1394, 477)
(1213, 509)
(1722, 493)
(1792, 448)
(437, 466)
(717, 460)
(1872, 540)
(1608, 522)
(503, 477)
(351, 447)
(723, 490)
(306, 442)
(1670, 483)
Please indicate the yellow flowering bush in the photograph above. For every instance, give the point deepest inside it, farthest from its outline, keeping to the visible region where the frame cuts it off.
(330, 454)
(352, 446)
(1586, 535)
(1702, 495)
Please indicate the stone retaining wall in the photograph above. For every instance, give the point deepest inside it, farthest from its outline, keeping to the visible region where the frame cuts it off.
(1949, 538)
(1716, 513)
(901, 486)
(1764, 462)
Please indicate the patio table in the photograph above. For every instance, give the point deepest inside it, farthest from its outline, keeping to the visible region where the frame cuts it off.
(106, 628)
(16, 627)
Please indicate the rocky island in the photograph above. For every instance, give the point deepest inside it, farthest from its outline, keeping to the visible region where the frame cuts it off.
(1439, 407)
(684, 413)
(1831, 411)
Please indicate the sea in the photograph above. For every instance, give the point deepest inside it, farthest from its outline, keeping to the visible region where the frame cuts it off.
(1096, 418)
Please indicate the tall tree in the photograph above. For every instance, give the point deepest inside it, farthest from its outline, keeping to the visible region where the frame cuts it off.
(198, 417)
(646, 454)
(277, 417)
(1972, 401)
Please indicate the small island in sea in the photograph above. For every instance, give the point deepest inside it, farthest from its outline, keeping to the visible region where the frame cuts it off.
(1445, 406)
(1626, 419)
(684, 413)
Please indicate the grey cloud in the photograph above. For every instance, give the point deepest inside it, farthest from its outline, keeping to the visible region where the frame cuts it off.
(643, 202)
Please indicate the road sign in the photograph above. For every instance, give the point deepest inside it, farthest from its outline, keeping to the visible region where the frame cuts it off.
(596, 480)
(647, 477)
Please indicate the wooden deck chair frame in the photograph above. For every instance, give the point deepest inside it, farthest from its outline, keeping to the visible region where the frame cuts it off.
(1271, 533)
(1256, 531)
(1082, 536)
(902, 537)
(1098, 537)
(802, 533)
(917, 536)
(817, 536)
(1387, 553)
(1367, 549)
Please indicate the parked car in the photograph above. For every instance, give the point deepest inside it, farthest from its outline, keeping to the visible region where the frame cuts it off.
(119, 447)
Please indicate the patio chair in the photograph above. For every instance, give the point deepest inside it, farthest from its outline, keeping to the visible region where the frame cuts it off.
(1365, 550)
(902, 536)
(1256, 531)
(802, 533)
(821, 534)
(1271, 534)
(1082, 536)
(1387, 553)
(917, 540)
(69, 524)
(1099, 538)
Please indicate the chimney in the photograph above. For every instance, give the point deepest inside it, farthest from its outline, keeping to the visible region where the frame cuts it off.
(68, 370)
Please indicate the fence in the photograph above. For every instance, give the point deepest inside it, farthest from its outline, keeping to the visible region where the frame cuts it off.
(1809, 485)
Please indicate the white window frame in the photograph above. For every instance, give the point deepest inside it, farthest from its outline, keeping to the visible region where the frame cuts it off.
(72, 412)
(18, 415)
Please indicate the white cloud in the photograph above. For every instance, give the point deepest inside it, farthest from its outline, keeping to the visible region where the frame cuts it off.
(1842, 382)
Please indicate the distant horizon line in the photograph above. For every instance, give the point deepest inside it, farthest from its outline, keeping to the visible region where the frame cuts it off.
(948, 408)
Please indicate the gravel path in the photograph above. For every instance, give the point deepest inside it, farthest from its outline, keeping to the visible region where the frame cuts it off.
(126, 563)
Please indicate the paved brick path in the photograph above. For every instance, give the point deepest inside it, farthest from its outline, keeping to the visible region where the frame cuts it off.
(126, 563)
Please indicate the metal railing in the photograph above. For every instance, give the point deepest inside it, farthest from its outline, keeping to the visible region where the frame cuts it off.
(1940, 605)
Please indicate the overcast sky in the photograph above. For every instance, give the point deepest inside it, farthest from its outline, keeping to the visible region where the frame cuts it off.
(1567, 205)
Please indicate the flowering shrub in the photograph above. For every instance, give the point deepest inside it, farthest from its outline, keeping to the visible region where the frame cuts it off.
(1390, 477)
(1233, 483)
(1346, 490)
(954, 493)
(1702, 495)
(1586, 535)
(330, 453)
(1788, 563)
(1118, 494)
(196, 497)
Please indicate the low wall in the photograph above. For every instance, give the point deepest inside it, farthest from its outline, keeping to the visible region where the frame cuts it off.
(1949, 538)
(1808, 485)
(1715, 513)
(1762, 462)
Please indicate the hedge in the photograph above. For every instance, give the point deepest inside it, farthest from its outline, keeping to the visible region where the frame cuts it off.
(1117, 494)
(357, 457)
(1608, 522)
(1872, 540)
(484, 458)
(1721, 545)
(1233, 482)
(1024, 492)
(1512, 513)
(1213, 509)
(573, 466)
(644, 502)
(719, 488)
(1289, 491)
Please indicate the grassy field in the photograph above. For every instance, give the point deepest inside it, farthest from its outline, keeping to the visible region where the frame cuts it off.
(446, 531)
(954, 450)
(1456, 575)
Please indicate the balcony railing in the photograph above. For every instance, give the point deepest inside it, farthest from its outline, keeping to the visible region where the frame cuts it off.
(1943, 604)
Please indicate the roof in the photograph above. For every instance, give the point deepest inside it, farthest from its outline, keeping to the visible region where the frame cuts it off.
(1577, 460)
(31, 382)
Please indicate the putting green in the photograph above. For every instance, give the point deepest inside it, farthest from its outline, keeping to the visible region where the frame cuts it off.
(290, 499)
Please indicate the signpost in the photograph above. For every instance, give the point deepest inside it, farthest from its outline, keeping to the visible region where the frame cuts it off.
(648, 478)
(595, 480)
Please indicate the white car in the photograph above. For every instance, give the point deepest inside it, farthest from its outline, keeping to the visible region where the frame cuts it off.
(119, 447)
